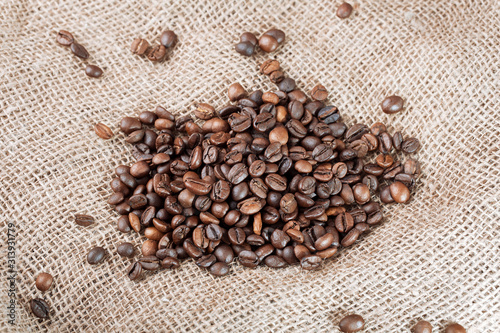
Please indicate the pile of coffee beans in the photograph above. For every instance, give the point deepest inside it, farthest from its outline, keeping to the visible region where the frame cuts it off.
(268, 42)
(65, 38)
(157, 53)
(275, 178)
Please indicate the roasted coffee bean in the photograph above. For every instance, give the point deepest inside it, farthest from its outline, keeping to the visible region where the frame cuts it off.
(399, 192)
(43, 281)
(268, 43)
(125, 250)
(238, 173)
(236, 92)
(361, 193)
(236, 236)
(39, 308)
(129, 125)
(150, 263)
(385, 195)
(319, 93)
(79, 50)
(224, 253)
(310, 262)
(352, 323)
(251, 206)
(149, 248)
(407, 180)
(157, 53)
(275, 261)
(264, 122)
(139, 46)
(279, 35)
(170, 263)
(328, 114)
(206, 261)
(455, 328)
(385, 143)
(103, 131)
(287, 85)
(65, 38)
(219, 269)
(351, 237)
(410, 145)
(269, 66)
(93, 71)
(277, 182)
(204, 111)
(134, 271)
(84, 220)
(422, 327)
(96, 255)
(392, 104)
(344, 10)
(392, 171)
(397, 140)
(344, 222)
(168, 38)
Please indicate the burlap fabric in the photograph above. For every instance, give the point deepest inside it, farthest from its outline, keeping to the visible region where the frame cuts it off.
(436, 258)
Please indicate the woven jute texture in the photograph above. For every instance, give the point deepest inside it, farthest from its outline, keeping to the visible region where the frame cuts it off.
(436, 258)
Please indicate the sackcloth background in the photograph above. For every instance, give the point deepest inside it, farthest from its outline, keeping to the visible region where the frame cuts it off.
(436, 258)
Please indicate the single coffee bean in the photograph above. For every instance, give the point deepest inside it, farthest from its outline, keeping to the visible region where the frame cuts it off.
(170, 263)
(251, 206)
(134, 271)
(65, 38)
(157, 53)
(268, 43)
(319, 93)
(44, 281)
(236, 236)
(275, 261)
(269, 66)
(150, 263)
(126, 250)
(39, 308)
(103, 131)
(79, 50)
(287, 85)
(385, 195)
(129, 125)
(352, 323)
(399, 192)
(310, 262)
(249, 37)
(149, 248)
(455, 328)
(245, 48)
(344, 10)
(139, 46)
(224, 253)
(397, 140)
(84, 220)
(93, 71)
(206, 261)
(168, 38)
(219, 269)
(204, 111)
(279, 35)
(96, 255)
(351, 237)
(422, 327)
(236, 92)
(392, 104)
(410, 145)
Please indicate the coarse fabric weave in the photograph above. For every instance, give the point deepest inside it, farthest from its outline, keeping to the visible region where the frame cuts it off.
(436, 258)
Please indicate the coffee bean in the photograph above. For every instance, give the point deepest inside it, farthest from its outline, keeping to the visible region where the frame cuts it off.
(204, 111)
(157, 53)
(287, 85)
(150, 263)
(39, 308)
(65, 38)
(139, 46)
(245, 48)
(84, 220)
(410, 145)
(344, 222)
(96, 255)
(236, 92)
(251, 206)
(126, 250)
(310, 262)
(134, 271)
(269, 66)
(170, 263)
(319, 93)
(93, 71)
(268, 43)
(79, 50)
(344, 10)
(129, 125)
(43, 281)
(149, 248)
(422, 327)
(168, 38)
(219, 269)
(352, 323)
(103, 131)
(279, 35)
(399, 192)
(351, 237)
(455, 328)
(275, 261)
(392, 104)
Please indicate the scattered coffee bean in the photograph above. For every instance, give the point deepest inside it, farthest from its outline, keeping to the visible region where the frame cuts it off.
(139, 46)
(157, 53)
(103, 131)
(96, 255)
(392, 104)
(79, 50)
(168, 39)
(352, 323)
(93, 71)
(268, 43)
(344, 10)
(39, 308)
(455, 328)
(126, 250)
(422, 327)
(43, 281)
(84, 220)
(65, 38)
